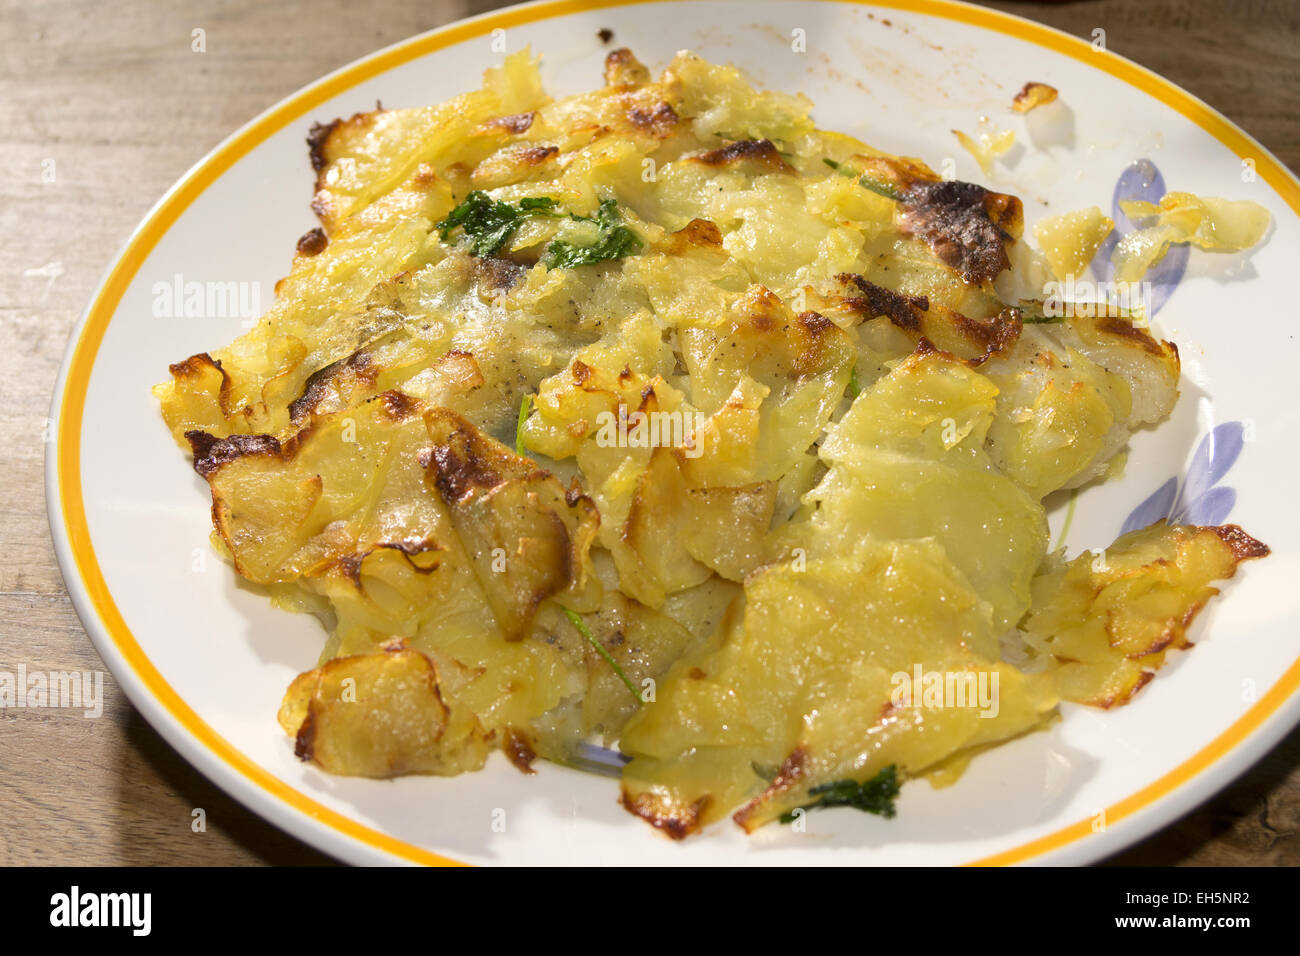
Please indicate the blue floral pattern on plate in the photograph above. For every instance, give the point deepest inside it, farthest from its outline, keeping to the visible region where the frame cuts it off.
(1201, 499)
(1141, 179)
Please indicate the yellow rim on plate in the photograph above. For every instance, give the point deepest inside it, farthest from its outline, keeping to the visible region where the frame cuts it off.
(82, 358)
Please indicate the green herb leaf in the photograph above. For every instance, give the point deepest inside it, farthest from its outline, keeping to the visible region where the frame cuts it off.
(1030, 312)
(618, 243)
(855, 387)
(615, 242)
(488, 224)
(540, 206)
(879, 186)
(585, 631)
(519, 427)
(888, 190)
(877, 795)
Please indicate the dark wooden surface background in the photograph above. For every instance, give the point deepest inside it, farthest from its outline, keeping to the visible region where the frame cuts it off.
(114, 96)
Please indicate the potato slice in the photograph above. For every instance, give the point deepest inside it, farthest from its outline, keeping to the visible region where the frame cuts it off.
(1219, 225)
(1071, 240)
(380, 715)
(1108, 620)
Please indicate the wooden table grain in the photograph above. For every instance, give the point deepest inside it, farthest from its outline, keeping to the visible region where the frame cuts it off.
(103, 106)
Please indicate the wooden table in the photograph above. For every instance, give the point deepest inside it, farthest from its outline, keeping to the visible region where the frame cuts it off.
(111, 98)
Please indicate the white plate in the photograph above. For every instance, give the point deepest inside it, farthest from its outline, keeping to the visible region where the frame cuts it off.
(207, 662)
